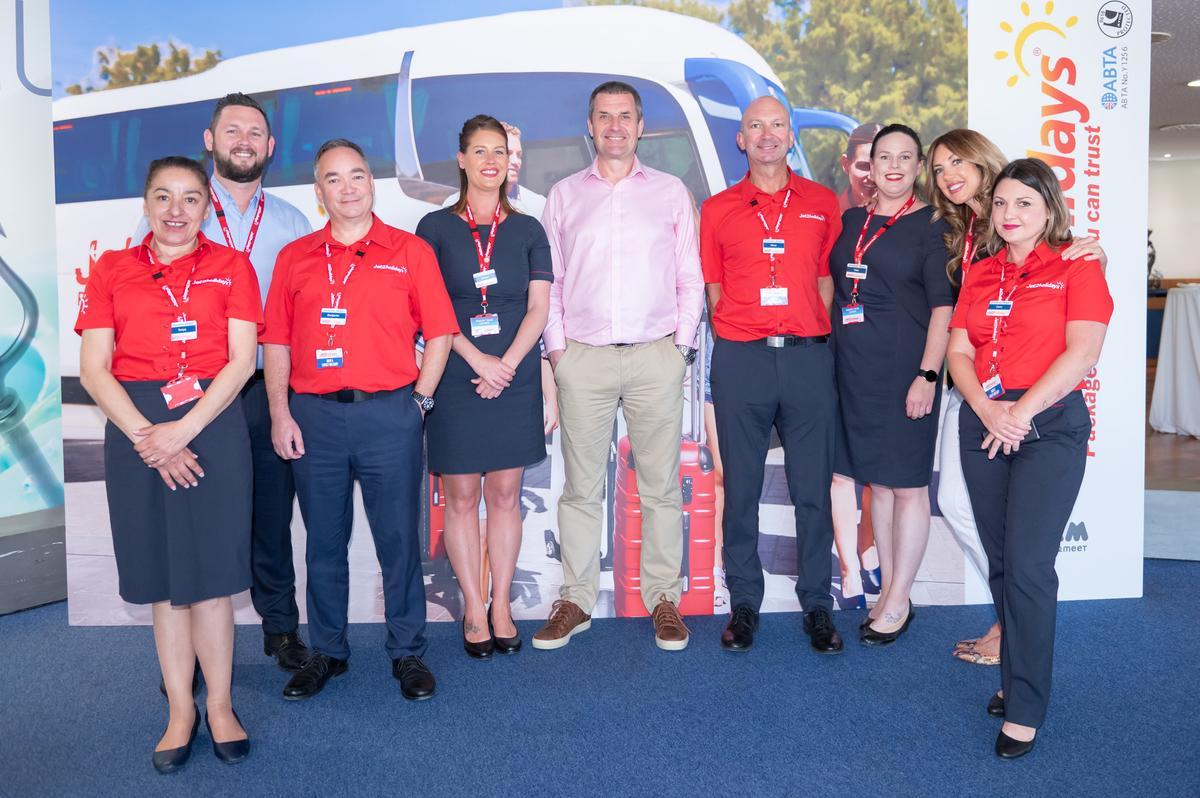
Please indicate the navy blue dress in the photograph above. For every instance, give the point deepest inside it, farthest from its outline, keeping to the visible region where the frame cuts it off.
(875, 362)
(466, 433)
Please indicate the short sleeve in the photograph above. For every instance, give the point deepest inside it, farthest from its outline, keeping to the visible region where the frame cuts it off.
(431, 308)
(278, 316)
(427, 231)
(711, 263)
(833, 229)
(939, 291)
(96, 300)
(965, 297)
(541, 265)
(1088, 298)
(244, 301)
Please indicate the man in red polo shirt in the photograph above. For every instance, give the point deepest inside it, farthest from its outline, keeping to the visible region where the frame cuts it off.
(345, 306)
(764, 248)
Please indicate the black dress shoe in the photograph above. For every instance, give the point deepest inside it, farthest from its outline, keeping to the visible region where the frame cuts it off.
(231, 752)
(503, 645)
(1008, 748)
(416, 681)
(996, 706)
(288, 649)
(480, 650)
(311, 679)
(197, 680)
(872, 637)
(173, 759)
(739, 632)
(823, 635)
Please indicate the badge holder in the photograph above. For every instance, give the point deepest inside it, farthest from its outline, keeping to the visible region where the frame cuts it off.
(992, 387)
(853, 314)
(181, 391)
(999, 307)
(856, 271)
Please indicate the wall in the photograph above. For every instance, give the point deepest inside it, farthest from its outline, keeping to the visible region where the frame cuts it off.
(1172, 217)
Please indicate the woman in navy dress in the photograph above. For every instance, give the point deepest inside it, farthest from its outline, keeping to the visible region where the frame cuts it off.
(488, 424)
(891, 325)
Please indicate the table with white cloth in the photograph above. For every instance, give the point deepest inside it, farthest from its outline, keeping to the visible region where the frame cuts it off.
(1175, 406)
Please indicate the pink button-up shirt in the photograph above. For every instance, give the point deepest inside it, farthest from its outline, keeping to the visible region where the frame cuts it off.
(626, 260)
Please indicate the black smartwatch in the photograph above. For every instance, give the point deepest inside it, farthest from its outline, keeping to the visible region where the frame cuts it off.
(930, 375)
(424, 402)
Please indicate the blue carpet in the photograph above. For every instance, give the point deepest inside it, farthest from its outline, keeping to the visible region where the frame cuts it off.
(611, 715)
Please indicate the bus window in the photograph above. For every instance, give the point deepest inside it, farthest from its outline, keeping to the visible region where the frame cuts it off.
(550, 108)
(304, 118)
(724, 119)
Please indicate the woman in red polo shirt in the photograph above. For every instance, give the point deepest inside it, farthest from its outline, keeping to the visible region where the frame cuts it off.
(169, 336)
(1028, 327)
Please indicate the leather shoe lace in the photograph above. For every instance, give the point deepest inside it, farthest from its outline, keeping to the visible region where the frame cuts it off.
(739, 632)
(670, 633)
(416, 680)
(311, 679)
(823, 634)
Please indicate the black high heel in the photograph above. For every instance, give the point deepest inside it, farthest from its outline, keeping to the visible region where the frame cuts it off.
(504, 645)
(995, 706)
(231, 752)
(173, 759)
(482, 649)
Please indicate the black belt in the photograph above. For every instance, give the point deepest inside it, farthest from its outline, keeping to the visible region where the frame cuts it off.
(351, 395)
(257, 375)
(780, 341)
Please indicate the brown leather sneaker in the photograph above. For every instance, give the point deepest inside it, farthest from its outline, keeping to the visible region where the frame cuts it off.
(670, 634)
(566, 620)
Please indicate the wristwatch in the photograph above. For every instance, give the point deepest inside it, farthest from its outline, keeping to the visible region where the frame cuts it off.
(424, 402)
(930, 375)
(689, 354)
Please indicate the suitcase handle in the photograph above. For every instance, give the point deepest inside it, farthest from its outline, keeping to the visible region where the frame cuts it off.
(697, 380)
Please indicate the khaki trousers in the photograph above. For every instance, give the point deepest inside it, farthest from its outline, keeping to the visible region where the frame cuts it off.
(647, 380)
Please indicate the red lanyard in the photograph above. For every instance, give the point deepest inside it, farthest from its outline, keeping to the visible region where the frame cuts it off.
(258, 214)
(860, 249)
(484, 255)
(158, 278)
(787, 197)
(993, 365)
(335, 299)
(968, 246)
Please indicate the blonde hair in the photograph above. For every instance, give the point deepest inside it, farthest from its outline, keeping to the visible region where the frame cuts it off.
(974, 148)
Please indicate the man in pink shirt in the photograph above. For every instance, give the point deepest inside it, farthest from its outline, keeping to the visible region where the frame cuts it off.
(624, 308)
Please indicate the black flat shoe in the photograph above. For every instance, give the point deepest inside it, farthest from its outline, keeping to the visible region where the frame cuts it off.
(311, 679)
(416, 680)
(872, 637)
(739, 632)
(288, 649)
(482, 649)
(173, 759)
(503, 645)
(995, 706)
(872, 580)
(197, 681)
(1008, 748)
(231, 752)
(823, 635)
(866, 621)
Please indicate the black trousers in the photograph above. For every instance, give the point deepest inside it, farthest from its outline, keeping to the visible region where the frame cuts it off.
(755, 388)
(273, 589)
(1022, 503)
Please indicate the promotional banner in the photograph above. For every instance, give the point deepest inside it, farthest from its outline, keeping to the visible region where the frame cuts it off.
(32, 565)
(1069, 83)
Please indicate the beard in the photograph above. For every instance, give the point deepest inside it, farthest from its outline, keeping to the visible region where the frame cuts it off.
(229, 170)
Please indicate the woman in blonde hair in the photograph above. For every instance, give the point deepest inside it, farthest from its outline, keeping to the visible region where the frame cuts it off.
(963, 165)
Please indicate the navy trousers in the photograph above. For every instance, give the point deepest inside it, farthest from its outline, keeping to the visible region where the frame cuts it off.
(1022, 503)
(755, 388)
(379, 443)
(273, 589)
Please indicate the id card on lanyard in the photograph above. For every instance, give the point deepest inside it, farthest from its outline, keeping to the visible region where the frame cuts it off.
(998, 310)
(484, 323)
(774, 295)
(856, 270)
(184, 388)
(334, 316)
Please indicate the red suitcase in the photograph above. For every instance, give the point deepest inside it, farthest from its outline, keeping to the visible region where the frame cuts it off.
(433, 520)
(698, 484)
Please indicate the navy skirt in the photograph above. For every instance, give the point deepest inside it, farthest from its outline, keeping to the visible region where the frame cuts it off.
(189, 544)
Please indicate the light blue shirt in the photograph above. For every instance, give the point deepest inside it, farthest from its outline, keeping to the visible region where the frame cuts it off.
(282, 223)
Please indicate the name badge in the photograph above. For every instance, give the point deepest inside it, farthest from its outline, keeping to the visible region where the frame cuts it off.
(853, 314)
(183, 330)
(999, 307)
(180, 391)
(992, 387)
(856, 271)
(768, 297)
(334, 317)
(485, 278)
(329, 358)
(485, 324)
(773, 246)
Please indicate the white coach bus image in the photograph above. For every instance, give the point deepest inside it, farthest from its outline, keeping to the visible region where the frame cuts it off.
(403, 95)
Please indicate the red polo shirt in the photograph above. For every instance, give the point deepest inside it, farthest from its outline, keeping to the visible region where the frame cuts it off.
(1047, 292)
(731, 254)
(121, 294)
(394, 292)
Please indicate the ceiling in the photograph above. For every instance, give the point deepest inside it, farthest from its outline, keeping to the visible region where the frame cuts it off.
(1175, 62)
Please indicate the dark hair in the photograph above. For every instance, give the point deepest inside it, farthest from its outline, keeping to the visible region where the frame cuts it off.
(237, 98)
(333, 144)
(1038, 176)
(469, 129)
(176, 162)
(897, 127)
(615, 87)
(863, 134)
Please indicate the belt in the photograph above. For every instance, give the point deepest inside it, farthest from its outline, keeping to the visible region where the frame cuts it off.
(257, 375)
(351, 395)
(780, 341)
